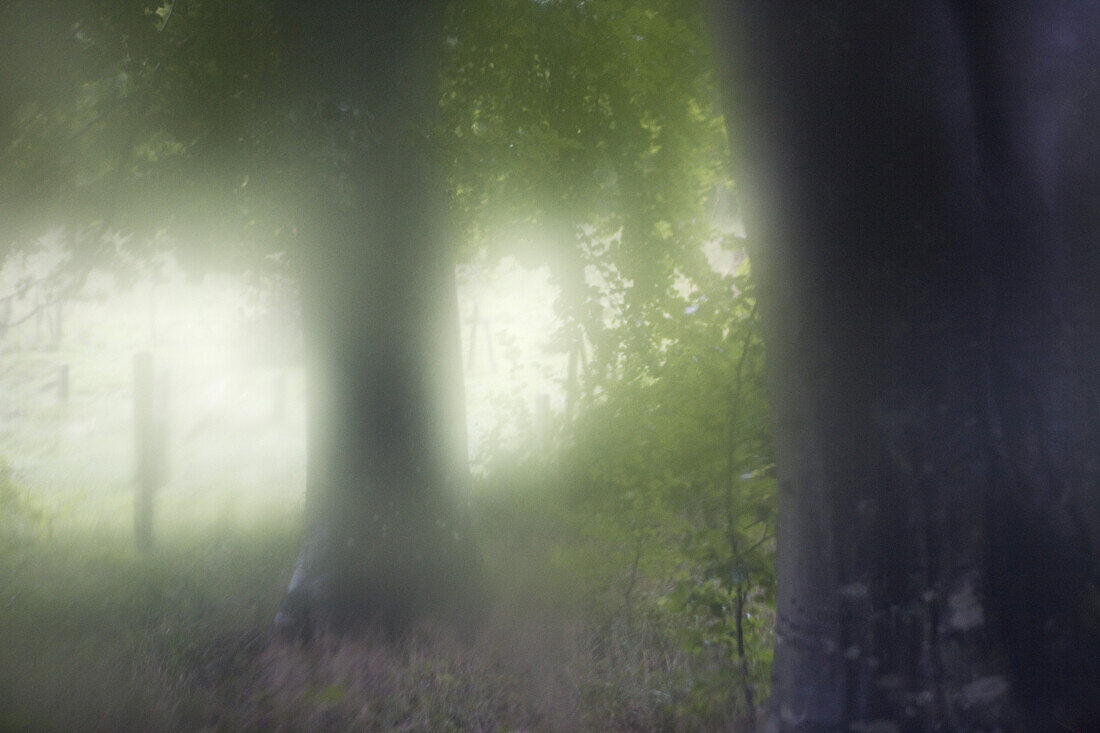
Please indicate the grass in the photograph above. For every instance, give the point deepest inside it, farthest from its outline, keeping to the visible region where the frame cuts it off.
(96, 637)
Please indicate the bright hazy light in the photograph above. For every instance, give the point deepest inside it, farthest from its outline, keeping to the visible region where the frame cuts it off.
(230, 386)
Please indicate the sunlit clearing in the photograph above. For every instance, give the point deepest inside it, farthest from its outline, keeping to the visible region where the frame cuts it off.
(514, 380)
(229, 387)
(228, 405)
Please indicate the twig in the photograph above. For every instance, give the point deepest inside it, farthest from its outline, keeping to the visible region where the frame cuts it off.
(60, 295)
(171, 11)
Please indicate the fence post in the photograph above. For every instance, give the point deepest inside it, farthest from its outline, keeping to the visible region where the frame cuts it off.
(63, 382)
(5, 315)
(542, 421)
(162, 421)
(39, 312)
(145, 449)
(57, 322)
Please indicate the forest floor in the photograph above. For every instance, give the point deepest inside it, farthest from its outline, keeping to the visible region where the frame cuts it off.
(95, 636)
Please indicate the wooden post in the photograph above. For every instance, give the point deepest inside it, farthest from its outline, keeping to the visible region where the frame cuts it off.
(39, 312)
(145, 449)
(162, 420)
(63, 382)
(5, 315)
(542, 421)
(57, 322)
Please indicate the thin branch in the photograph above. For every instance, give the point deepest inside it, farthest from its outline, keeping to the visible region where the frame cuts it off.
(756, 544)
(59, 297)
(171, 11)
(22, 289)
(633, 578)
(31, 313)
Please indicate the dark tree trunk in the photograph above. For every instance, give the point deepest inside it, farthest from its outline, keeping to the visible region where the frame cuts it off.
(385, 539)
(921, 182)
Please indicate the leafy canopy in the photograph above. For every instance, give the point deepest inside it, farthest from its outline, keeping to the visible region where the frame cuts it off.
(583, 134)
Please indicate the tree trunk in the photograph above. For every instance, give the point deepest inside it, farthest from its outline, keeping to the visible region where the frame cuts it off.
(385, 539)
(920, 183)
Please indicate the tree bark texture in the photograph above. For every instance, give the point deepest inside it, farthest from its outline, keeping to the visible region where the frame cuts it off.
(921, 183)
(385, 540)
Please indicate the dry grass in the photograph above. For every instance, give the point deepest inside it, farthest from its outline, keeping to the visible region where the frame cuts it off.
(516, 676)
(93, 637)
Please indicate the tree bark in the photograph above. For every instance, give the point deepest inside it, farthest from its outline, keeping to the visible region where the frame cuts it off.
(385, 536)
(920, 183)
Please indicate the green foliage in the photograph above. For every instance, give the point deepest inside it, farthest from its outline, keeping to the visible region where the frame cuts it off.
(22, 519)
(592, 131)
(583, 122)
(662, 498)
(162, 121)
(582, 135)
(179, 117)
(672, 465)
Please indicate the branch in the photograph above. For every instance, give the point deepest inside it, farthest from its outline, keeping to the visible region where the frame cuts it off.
(168, 17)
(59, 296)
(22, 289)
(756, 544)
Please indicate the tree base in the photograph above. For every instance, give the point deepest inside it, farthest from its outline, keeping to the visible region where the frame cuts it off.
(345, 583)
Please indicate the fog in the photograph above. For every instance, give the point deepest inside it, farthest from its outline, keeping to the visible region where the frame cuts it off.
(259, 469)
(227, 354)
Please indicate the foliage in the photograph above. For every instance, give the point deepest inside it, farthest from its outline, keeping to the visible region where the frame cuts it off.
(671, 463)
(582, 135)
(662, 498)
(591, 130)
(595, 120)
(166, 124)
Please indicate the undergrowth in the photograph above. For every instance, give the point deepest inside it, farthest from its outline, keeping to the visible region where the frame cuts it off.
(96, 637)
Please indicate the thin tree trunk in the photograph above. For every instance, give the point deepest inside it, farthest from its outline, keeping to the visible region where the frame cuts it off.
(742, 657)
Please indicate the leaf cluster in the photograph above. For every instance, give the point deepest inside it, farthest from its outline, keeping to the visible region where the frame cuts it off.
(584, 128)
